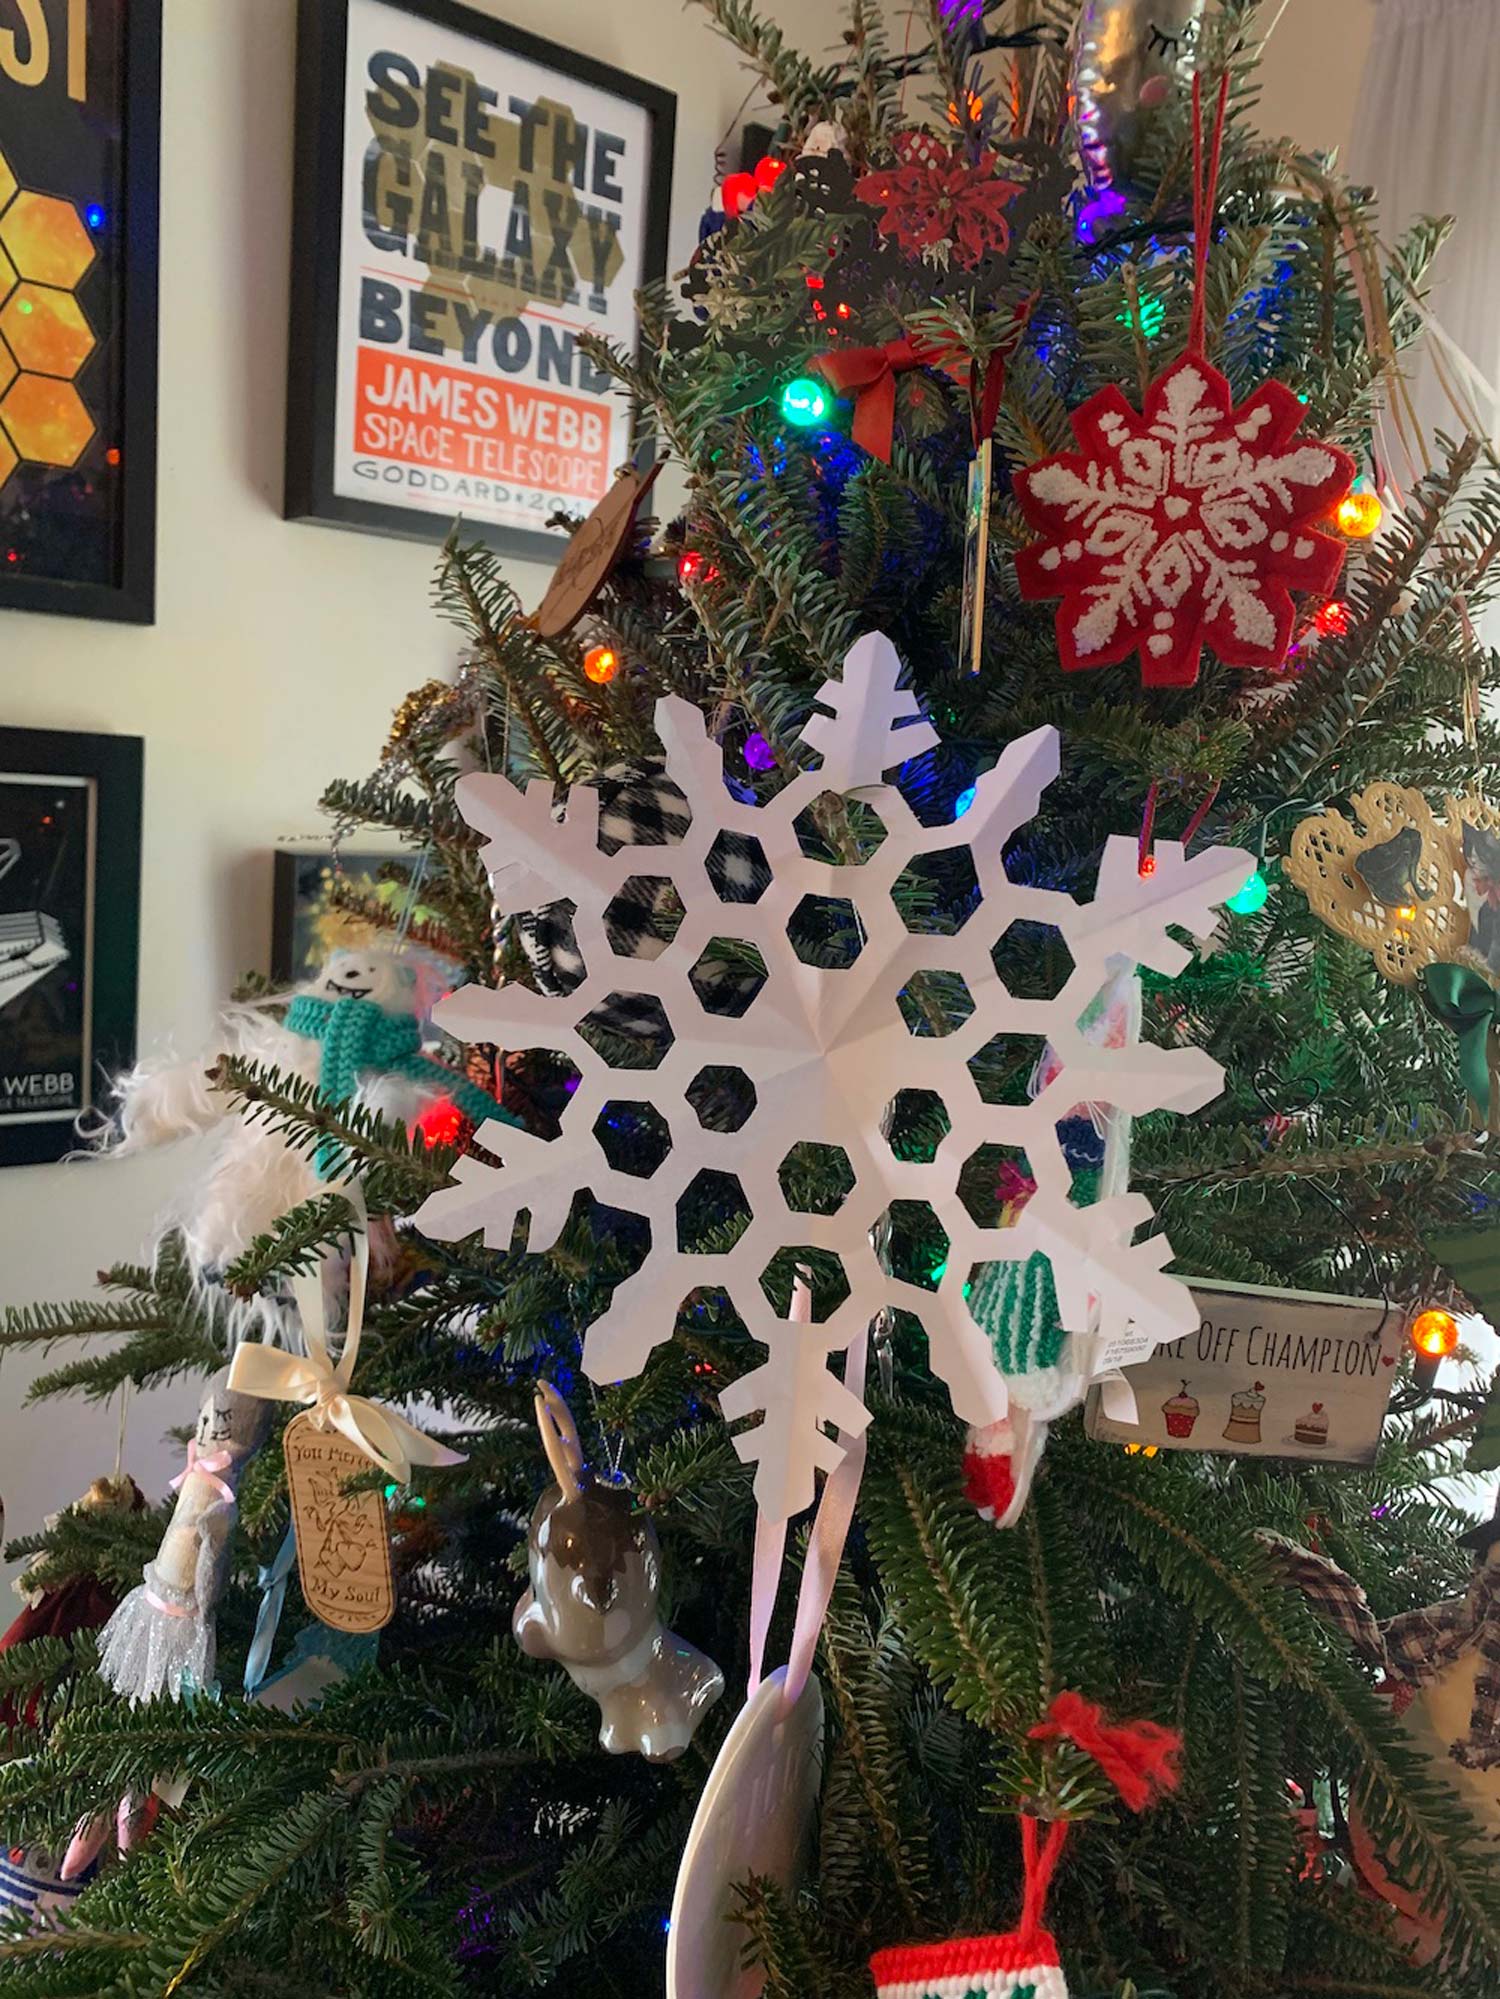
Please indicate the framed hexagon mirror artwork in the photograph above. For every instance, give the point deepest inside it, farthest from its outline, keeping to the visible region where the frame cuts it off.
(79, 144)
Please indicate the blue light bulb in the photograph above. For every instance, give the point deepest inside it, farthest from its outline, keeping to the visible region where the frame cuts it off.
(963, 801)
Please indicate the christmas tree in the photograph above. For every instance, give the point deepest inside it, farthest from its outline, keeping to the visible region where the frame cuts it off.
(957, 247)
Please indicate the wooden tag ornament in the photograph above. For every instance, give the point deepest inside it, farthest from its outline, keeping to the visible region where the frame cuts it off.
(592, 552)
(343, 1539)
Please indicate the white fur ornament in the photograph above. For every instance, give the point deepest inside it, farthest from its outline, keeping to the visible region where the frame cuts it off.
(252, 1175)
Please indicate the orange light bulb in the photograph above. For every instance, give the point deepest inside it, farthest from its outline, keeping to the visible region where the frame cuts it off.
(600, 664)
(1434, 1333)
(1359, 515)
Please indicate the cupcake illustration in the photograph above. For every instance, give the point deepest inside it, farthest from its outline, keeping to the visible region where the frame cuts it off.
(1181, 1412)
(1313, 1427)
(1245, 1409)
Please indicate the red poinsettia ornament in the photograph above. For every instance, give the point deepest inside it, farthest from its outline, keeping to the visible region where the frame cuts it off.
(1189, 522)
(938, 194)
(1186, 525)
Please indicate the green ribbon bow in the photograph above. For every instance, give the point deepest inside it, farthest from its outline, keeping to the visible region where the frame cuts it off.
(1465, 1001)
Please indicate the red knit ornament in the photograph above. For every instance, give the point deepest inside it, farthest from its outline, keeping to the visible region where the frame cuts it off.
(935, 195)
(1190, 522)
(1185, 526)
(1138, 1757)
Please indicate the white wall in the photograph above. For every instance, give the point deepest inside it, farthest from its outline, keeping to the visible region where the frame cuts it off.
(279, 651)
(1310, 73)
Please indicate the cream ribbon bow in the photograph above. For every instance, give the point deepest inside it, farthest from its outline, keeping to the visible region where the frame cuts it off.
(313, 1378)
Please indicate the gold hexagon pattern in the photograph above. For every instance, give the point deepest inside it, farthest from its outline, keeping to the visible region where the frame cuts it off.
(45, 337)
(47, 330)
(46, 239)
(46, 419)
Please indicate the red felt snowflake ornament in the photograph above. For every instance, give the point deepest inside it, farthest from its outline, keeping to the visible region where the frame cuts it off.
(936, 194)
(1188, 524)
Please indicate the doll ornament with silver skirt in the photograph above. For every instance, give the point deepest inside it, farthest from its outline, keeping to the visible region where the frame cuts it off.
(162, 1637)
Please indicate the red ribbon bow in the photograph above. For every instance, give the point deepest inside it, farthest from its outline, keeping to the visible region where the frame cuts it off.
(1138, 1757)
(869, 374)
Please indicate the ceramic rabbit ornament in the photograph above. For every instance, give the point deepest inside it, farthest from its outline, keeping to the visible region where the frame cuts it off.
(161, 1638)
(595, 1567)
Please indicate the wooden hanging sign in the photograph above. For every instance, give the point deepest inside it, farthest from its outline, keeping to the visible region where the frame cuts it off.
(1268, 1374)
(343, 1541)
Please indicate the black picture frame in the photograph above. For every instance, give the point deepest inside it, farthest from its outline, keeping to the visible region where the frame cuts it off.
(316, 331)
(130, 261)
(102, 948)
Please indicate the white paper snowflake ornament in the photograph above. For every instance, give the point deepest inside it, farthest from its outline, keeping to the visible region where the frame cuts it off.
(821, 1055)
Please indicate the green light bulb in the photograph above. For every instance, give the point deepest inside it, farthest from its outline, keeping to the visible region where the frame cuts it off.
(803, 401)
(1247, 900)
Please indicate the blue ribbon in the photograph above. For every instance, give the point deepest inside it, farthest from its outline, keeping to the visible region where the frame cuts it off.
(272, 1583)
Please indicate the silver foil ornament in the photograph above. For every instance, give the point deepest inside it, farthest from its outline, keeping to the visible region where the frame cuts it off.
(1131, 56)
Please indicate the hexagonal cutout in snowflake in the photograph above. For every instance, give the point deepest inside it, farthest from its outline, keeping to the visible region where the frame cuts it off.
(721, 1097)
(917, 1245)
(1004, 1069)
(815, 1179)
(633, 1137)
(819, 1066)
(843, 832)
(1033, 960)
(712, 1213)
(821, 1271)
(825, 931)
(994, 1184)
(644, 917)
(938, 893)
(728, 976)
(915, 1124)
(935, 1003)
(737, 868)
(628, 1031)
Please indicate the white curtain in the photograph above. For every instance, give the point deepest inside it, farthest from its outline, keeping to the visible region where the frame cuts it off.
(1427, 136)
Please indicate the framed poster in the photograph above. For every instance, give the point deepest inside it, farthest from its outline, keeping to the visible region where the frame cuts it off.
(79, 144)
(70, 875)
(469, 200)
(1268, 1374)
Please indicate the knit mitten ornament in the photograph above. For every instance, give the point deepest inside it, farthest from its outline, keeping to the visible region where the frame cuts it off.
(1023, 1963)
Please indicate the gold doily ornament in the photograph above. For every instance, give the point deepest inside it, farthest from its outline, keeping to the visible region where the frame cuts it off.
(1392, 881)
(1422, 896)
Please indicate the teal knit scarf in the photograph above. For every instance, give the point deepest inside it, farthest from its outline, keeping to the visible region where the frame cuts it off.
(360, 1037)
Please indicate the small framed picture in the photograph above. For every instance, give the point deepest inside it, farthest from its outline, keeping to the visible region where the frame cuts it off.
(310, 921)
(470, 201)
(79, 145)
(70, 875)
